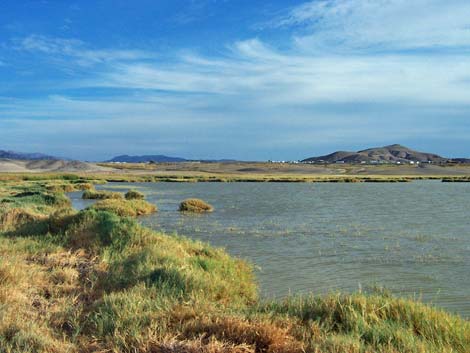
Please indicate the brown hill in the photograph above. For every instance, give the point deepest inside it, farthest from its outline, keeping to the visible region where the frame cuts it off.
(390, 154)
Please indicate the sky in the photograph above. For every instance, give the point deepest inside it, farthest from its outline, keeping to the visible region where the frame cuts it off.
(239, 79)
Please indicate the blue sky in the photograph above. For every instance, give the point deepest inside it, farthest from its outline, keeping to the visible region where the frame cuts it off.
(233, 79)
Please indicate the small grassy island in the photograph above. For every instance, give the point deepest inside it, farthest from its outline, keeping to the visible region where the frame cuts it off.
(195, 206)
(134, 195)
(97, 281)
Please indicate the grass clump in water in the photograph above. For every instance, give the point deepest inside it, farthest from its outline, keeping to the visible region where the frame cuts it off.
(101, 195)
(196, 206)
(125, 208)
(134, 195)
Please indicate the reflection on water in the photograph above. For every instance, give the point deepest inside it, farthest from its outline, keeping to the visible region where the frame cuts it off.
(412, 238)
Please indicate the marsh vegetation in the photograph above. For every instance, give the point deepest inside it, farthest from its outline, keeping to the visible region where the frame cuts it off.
(195, 206)
(134, 195)
(101, 195)
(96, 281)
(130, 208)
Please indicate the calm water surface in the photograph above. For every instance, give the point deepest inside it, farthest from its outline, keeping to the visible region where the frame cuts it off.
(411, 238)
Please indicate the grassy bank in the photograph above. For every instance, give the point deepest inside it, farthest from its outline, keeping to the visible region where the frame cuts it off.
(94, 281)
(84, 181)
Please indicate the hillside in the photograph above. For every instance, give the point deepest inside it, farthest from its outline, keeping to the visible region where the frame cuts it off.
(25, 156)
(390, 154)
(25, 166)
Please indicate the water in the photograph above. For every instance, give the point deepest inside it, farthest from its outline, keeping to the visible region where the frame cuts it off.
(411, 238)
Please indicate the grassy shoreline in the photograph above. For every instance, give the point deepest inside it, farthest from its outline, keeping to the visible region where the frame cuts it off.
(87, 179)
(95, 281)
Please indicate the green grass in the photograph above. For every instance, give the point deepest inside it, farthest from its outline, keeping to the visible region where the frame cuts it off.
(96, 281)
(374, 322)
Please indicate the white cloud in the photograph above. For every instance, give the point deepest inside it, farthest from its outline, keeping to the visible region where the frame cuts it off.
(256, 73)
(262, 76)
(78, 50)
(381, 24)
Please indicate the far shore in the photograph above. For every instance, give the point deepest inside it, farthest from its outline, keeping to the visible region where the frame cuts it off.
(238, 172)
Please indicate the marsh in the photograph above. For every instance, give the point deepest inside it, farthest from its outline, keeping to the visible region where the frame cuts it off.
(411, 238)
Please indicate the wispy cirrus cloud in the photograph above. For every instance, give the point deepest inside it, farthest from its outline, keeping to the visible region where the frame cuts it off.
(380, 24)
(77, 50)
(302, 74)
(253, 84)
(253, 71)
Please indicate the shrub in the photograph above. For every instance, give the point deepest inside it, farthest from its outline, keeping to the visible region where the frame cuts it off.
(195, 205)
(134, 195)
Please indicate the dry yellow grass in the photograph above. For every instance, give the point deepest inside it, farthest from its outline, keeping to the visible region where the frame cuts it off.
(123, 208)
(196, 206)
(11, 219)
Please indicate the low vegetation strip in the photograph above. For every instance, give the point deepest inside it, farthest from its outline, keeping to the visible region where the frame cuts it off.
(97, 281)
(465, 179)
(73, 182)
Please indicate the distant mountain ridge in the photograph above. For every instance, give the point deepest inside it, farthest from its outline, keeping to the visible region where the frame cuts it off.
(145, 159)
(158, 158)
(26, 156)
(387, 154)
